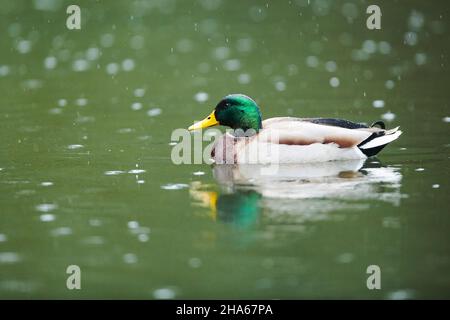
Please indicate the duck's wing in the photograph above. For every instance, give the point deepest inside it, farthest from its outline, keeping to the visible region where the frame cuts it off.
(335, 122)
(346, 134)
(291, 131)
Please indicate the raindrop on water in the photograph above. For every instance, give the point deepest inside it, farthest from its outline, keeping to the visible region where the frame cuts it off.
(195, 263)
(24, 46)
(46, 207)
(9, 257)
(133, 224)
(164, 293)
(232, 65)
(130, 258)
(80, 65)
(107, 40)
(139, 92)
(114, 172)
(63, 231)
(330, 66)
(388, 116)
(50, 62)
(244, 78)
(154, 112)
(75, 146)
(81, 102)
(378, 103)
(47, 217)
(92, 53)
(4, 70)
(201, 97)
(112, 68)
(136, 106)
(128, 65)
(174, 186)
(334, 82)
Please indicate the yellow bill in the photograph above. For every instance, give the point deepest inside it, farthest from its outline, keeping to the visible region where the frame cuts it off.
(209, 121)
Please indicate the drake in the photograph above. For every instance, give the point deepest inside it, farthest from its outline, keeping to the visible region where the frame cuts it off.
(289, 139)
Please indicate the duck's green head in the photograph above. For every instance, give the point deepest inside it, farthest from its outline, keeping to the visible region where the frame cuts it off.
(236, 111)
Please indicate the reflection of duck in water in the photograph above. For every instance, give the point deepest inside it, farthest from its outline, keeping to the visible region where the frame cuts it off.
(322, 188)
(239, 208)
(287, 139)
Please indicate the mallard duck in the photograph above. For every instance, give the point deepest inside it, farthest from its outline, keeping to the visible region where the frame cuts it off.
(289, 139)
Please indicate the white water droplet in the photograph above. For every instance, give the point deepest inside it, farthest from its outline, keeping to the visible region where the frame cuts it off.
(139, 92)
(280, 86)
(388, 116)
(128, 65)
(9, 257)
(143, 237)
(81, 102)
(195, 263)
(46, 207)
(107, 40)
(133, 224)
(244, 78)
(4, 70)
(24, 46)
(80, 65)
(389, 84)
(174, 186)
(400, 295)
(92, 53)
(62, 102)
(63, 231)
(378, 103)
(50, 62)
(47, 217)
(334, 82)
(112, 68)
(95, 222)
(201, 97)
(232, 65)
(330, 66)
(113, 172)
(164, 293)
(136, 171)
(75, 146)
(312, 61)
(136, 106)
(154, 112)
(130, 258)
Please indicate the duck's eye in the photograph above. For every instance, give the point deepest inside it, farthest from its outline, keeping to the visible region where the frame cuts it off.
(209, 118)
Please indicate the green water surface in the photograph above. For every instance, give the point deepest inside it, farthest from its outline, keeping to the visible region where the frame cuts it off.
(86, 176)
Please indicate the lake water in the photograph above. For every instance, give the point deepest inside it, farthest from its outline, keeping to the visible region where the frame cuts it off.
(86, 176)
